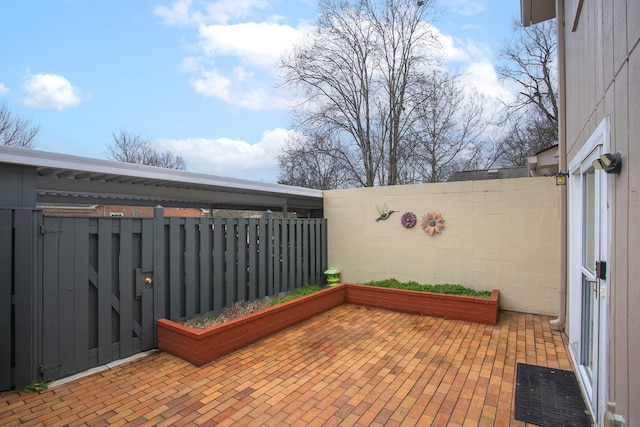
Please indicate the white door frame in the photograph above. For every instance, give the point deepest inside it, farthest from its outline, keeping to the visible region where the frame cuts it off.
(597, 144)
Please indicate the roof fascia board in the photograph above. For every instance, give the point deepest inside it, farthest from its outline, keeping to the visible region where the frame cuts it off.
(535, 11)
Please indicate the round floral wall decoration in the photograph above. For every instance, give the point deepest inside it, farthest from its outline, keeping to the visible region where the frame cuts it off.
(432, 223)
(408, 220)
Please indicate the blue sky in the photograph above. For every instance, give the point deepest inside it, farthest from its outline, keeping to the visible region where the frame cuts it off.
(195, 77)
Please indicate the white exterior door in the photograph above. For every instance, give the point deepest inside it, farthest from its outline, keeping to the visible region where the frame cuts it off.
(588, 275)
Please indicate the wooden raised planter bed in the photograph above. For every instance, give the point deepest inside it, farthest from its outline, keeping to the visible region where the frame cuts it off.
(201, 346)
(458, 307)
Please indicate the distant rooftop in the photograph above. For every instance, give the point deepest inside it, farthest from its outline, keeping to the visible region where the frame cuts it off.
(484, 174)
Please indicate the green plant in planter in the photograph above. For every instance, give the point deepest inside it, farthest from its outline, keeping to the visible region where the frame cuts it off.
(305, 290)
(440, 289)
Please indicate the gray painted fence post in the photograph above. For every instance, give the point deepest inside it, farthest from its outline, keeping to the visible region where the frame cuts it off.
(6, 300)
(269, 245)
(158, 269)
(27, 294)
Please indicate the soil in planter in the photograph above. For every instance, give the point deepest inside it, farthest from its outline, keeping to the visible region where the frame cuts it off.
(243, 308)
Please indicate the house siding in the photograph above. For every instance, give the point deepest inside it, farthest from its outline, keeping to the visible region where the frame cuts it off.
(602, 63)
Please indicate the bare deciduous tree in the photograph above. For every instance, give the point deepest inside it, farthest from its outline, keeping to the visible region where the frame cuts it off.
(448, 129)
(532, 119)
(312, 162)
(16, 132)
(523, 139)
(356, 74)
(136, 149)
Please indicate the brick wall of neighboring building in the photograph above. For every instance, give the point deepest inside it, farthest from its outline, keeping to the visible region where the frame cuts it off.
(114, 210)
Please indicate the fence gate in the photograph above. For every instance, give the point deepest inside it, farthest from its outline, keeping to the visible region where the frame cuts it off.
(97, 292)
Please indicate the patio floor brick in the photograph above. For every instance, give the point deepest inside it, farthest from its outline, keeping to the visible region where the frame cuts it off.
(349, 366)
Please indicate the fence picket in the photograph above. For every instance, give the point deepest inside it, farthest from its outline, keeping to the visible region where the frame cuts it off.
(252, 262)
(65, 314)
(231, 263)
(105, 227)
(190, 257)
(262, 259)
(81, 293)
(218, 264)
(276, 232)
(205, 265)
(175, 273)
(241, 261)
(51, 245)
(127, 290)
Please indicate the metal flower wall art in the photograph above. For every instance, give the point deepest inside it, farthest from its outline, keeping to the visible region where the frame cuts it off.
(432, 223)
(408, 219)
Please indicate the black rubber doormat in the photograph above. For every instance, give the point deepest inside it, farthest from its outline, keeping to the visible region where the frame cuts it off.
(549, 397)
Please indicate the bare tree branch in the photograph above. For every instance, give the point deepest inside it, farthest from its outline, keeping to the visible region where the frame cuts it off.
(16, 132)
(532, 119)
(136, 149)
(449, 129)
(314, 163)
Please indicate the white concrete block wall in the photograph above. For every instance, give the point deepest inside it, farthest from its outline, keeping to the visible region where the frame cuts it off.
(499, 234)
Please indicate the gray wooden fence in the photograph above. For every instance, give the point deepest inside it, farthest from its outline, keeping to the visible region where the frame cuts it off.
(78, 292)
(210, 263)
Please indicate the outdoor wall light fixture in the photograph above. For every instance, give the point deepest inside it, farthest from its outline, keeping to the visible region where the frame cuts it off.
(561, 178)
(609, 162)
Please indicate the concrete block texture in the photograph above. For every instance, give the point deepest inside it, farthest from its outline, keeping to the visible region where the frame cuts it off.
(499, 234)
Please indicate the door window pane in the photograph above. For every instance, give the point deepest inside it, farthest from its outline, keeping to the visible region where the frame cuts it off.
(588, 220)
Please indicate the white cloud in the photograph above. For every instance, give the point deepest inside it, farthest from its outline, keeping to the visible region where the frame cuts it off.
(230, 157)
(475, 58)
(177, 14)
(186, 12)
(253, 48)
(192, 64)
(257, 44)
(233, 62)
(223, 11)
(241, 88)
(3, 89)
(213, 84)
(466, 7)
(482, 77)
(453, 51)
(50, 91)
(461, 50)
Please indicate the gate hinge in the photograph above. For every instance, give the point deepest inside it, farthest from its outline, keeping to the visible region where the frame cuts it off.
(44, 229)
(45, 368)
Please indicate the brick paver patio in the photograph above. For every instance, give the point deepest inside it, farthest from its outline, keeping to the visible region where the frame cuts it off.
(349, 366)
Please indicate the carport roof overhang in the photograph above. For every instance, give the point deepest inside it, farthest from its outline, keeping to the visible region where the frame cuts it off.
(69, 179)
